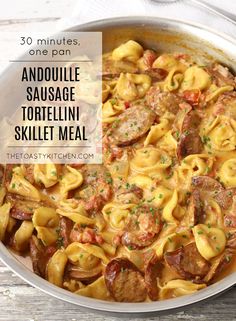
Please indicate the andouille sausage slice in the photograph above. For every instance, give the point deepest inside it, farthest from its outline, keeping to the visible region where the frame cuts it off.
(188, 262)
(153, 270)
(40, 255)
(225, 198)
(160, 102)
(195, 211)
(208, 185)
(81, 275)
(21, 209)
(131, 125)
(65, 228)
(219, 264)
(190, 141)
(124, 281)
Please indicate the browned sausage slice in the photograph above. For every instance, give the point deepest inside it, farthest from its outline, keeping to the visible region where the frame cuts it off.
(124, 281)
(21, 210)
(187, 262)
(207, 184)
(190, 141)
(85, 276)
(160, 102)
(218, 265)
(152, 272)
(225, 197)
(226, 105)
(40, 255)
(65, 229)
(195, 212)
(131, 125)
(221, 75)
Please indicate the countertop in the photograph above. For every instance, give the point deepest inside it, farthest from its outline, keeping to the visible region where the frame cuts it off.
(20, 301)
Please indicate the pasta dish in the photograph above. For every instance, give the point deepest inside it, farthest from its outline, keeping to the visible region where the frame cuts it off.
(157, 219)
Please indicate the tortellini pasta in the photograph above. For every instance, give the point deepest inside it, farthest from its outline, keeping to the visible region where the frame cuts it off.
(195, 78)
(175, 288)
(130, 51)
(110, 110)
(168, 210)
(70, 180)
(46, 221)
(46, 174)
(156, 132)
(94, 254)
(23, 235)
(227, 173)
(169, 62)
(130, 86)
(150, 161)
(56, 267)
(210, 241)
(19, 185)
(97, 290)
(194, 165)
(171, 242)
(4, 219)
(219, 134)
(117, 214)
(214, 92)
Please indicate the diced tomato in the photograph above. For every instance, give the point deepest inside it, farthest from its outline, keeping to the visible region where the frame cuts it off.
(192, 96)
(127, 104)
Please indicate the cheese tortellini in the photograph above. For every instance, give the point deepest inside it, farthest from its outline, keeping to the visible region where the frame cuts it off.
(150, 161)
(210, 241)
(130, 87)
(219, 134)
(227, 173)
(130, 51)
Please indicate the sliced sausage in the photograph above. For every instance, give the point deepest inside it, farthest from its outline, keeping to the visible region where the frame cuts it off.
(21, 210)
(218, 265)
(131, 125)
(225, 198)
(190, 141)
(226, 105)
(207, 184)
(188, 262)
(40, 255)
(86, 277)
(153, 271)
(65, 227)
(195, 211)
(142, 228)
(124, 281)
(221, 75)
(160, 102)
